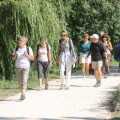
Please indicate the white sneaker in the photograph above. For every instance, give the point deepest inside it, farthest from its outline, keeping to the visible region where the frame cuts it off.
(62, 87)
(40, 88)
(67, 87)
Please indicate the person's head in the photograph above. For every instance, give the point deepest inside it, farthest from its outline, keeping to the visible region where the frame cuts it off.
(42, 40)
(105, 38)
(64, 34)
(95, 38)
(91, 38)
(85, 36)
(22, 40)
(101, 33)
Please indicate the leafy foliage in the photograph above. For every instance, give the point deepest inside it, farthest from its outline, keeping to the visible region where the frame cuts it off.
(35, 18)
(93, 16)
(32, 18)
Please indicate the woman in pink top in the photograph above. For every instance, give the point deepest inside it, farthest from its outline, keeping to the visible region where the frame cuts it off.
(43, 59)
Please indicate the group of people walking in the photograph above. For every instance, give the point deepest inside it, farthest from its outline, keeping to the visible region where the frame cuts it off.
(93, 50)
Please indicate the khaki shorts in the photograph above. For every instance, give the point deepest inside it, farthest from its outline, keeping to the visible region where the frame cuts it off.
(96, 64)
(22, 76)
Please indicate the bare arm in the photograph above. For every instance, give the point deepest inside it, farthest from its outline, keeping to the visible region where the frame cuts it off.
(50, 56)
(105, 55)
(14, 57)
(29, 56)
(90, 52)
(110, 47)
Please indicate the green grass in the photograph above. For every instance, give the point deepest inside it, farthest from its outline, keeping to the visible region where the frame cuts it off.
(113, 63)
(9, 88)
(116, 105)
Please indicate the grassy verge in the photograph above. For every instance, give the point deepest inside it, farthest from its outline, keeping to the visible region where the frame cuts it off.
(9, 88)
(116, 105)
(113, 63)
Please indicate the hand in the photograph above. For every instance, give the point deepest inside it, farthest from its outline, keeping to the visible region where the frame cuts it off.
(76, 59)
(87, 57)
(57, 61)
(16, 53)
(26, 54)
(106, 60)
(50, 65)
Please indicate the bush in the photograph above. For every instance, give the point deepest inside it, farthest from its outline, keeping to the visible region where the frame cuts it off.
(32, 18)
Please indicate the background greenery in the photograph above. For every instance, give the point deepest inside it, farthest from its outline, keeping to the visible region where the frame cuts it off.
(35, 18)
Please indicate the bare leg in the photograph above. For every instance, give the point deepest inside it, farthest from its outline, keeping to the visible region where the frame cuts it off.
(87, 69)
(83, 69)
(40, 84)
(98, 75)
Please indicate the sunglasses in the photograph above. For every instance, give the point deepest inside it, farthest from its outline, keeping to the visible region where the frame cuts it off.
(63, 35)
(104, 37)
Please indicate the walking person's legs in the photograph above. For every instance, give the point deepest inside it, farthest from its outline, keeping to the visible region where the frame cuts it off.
(68, 73)
(22, 77)
(98, 75)
(97, 65)
(24, 73)
(40, 68)
(46, 70)
(87, 69)
(83, 69)
(62, 76)
(119, 66)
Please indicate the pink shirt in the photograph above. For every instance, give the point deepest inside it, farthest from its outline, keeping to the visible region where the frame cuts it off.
(43, 54)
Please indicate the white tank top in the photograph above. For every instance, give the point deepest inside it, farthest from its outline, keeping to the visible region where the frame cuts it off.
(43, 54)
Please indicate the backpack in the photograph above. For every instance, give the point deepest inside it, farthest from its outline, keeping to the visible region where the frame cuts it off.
(38, 49)
(60, 41)
(27, 49)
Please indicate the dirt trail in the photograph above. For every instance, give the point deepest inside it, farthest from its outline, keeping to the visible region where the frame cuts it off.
(81, 102)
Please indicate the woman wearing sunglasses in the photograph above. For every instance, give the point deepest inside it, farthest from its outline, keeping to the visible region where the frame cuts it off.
(66, 57)
(109, 48)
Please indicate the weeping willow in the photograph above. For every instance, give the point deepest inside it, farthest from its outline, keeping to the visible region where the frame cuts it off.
(31, 18)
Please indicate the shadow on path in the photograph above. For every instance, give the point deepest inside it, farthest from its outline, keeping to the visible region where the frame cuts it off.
(67, 118)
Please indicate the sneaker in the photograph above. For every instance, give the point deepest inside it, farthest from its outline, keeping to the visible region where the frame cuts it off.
(98, 84)
(67, 88)
(46, 86)
(22, 97)
(83, 76)
(105, 76)
(62, 87)
(40, 88)
(87, 73)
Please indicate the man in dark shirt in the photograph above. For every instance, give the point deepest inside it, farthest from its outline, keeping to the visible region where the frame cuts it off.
(98, 53)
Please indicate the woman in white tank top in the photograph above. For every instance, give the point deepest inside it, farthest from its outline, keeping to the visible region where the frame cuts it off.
(44, 61)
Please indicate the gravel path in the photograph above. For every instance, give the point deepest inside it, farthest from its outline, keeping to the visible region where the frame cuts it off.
(81, 102)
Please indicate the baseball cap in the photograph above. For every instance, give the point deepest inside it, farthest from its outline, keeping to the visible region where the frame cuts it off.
(95, 36)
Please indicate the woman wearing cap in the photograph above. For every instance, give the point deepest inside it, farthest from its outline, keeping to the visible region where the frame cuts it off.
(83, 50)
(66, 57)
(98, 52)
(43, 59)
(109, 48)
